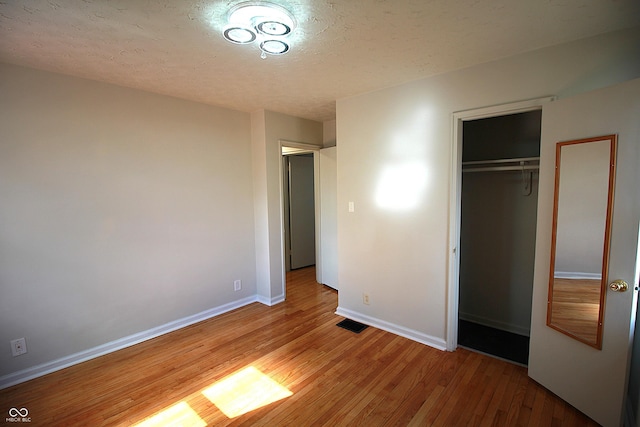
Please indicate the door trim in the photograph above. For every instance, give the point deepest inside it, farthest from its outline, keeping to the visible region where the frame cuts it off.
(455, 193)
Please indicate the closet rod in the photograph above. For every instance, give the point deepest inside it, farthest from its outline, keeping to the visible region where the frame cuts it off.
(497, 161)
(502, 168)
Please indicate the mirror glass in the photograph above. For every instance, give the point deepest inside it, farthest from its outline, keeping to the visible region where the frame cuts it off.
(585, 171)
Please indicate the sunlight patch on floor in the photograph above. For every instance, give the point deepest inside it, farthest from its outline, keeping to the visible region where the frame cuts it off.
(180, 414)
(245, 391)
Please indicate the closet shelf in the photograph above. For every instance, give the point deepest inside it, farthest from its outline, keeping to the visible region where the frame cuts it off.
(517, 164)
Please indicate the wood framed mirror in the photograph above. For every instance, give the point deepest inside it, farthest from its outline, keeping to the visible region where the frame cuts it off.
(582, 211)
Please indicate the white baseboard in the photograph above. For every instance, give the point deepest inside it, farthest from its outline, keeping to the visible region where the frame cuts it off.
(411, 334)
(73, 359)
(270, 301)
(503, 326)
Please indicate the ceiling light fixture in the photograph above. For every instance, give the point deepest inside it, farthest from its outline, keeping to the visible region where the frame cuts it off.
(265, 23)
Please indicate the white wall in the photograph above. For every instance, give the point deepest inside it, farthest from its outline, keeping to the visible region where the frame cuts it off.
(329, 134)
(328, 272)
(268, 129)
(395, 144)
(120, 211)
(261, 205)
(328, 217)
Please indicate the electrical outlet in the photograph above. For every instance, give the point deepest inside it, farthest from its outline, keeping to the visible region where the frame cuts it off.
(18, 347)
(365, 298)
(237, 285)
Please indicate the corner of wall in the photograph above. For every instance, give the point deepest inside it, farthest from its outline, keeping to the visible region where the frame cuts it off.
(260, 208)
(329, 133)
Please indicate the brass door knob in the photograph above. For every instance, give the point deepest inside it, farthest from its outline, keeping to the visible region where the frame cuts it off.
(618, 286)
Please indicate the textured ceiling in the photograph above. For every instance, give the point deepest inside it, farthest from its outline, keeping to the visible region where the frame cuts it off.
(341, 47)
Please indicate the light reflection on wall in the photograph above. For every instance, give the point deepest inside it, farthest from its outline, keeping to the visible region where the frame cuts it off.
(400, 186)
(404, 178)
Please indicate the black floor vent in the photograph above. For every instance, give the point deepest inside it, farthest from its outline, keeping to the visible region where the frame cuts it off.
(352, 325)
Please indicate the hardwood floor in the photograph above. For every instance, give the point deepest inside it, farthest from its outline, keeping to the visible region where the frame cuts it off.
(336, 377)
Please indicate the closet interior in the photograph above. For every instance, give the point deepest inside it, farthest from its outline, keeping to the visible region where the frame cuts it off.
(500, 160)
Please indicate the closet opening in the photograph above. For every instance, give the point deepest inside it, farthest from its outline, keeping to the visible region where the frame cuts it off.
(498, 209)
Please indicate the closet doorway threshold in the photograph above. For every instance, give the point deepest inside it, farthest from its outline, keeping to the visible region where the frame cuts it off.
(494, 342)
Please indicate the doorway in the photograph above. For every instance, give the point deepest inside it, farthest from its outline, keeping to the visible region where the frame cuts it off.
(494, 184)
(291, 148)
(324, 185)
(299, 211)
(500, 158)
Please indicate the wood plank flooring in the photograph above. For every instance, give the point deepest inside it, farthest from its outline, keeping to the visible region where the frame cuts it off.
(337, 377)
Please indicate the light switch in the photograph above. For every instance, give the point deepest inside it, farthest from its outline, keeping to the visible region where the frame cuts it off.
(351, 207)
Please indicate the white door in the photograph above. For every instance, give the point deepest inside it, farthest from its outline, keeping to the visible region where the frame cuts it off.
(302, 211)
(594, 381)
